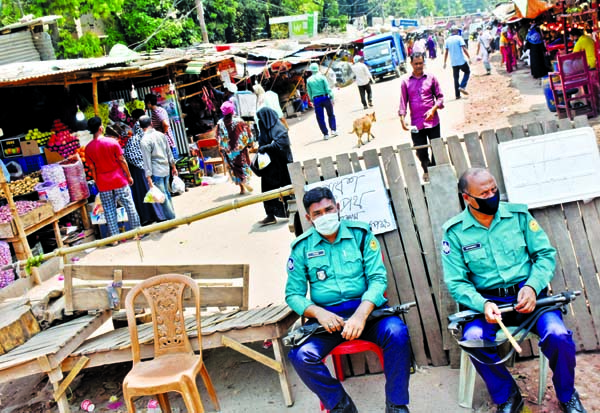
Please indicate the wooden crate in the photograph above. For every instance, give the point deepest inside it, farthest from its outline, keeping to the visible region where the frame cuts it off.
(6, 230)
(31, 218)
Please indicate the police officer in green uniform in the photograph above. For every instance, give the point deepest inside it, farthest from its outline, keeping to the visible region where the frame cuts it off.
(340, 263)
(495, 252)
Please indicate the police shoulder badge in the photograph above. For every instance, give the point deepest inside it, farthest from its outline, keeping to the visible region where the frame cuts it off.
(534, 226)
(445, 247)
(290, 264)
(373, 245)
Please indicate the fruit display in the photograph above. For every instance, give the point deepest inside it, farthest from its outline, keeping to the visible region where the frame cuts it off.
(102, 112)
(40, 137)
(23, 186)
(62, 141)
(88, 173)
(133, 105)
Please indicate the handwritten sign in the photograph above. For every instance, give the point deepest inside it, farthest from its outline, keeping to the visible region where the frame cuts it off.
(362, 197)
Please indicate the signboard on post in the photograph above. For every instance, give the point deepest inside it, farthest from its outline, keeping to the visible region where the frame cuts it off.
(405, 23)
(362, 196)
(302, 25)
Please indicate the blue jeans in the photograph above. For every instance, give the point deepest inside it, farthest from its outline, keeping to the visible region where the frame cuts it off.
(389, 333)
(162, 183)
(463, 83)
(322, 104)
(556, 342)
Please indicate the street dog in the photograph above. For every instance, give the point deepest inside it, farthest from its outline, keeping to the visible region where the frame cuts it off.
(362, 126)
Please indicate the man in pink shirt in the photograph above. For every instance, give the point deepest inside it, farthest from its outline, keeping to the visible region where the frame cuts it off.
(422, 93)
(109, 169)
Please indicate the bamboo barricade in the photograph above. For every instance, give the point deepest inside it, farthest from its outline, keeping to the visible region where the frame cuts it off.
(236, 204)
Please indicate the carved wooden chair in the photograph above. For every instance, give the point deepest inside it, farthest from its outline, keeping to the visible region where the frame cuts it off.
(175, 365)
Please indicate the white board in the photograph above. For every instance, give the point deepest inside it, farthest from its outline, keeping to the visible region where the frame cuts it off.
(362, 197)
(551, 169)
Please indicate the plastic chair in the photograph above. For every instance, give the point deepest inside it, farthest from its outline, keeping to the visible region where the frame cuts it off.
(574, 73)
(466, 386)
(174, 366)
(207, 144)
(350, 347)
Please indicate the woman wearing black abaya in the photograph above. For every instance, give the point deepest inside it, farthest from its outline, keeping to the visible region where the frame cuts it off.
(537, 52)
(274, 141)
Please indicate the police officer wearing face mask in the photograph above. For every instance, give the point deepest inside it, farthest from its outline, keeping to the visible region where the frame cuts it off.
(340, 263)
(495, 252)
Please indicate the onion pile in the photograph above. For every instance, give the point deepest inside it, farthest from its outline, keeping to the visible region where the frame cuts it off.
(23, 207)
(76, 182)
(54, 173)
(6, 277)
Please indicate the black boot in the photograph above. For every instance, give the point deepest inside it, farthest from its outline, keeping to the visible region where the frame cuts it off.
(514, 404)
(574, 405)
(394, 408)
(346, 405)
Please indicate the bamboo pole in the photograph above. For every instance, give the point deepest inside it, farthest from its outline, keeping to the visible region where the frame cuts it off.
(95, 95)
(236, 204)
(17, 221)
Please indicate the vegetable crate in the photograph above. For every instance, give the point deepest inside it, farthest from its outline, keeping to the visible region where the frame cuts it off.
(32, 164)
(193, 179)
(188, 164)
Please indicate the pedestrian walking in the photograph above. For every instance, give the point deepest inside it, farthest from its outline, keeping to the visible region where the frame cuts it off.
(457, 49)
(111, 174)
(484, 48)
(322, 97)
(422, 93)
(363, 80)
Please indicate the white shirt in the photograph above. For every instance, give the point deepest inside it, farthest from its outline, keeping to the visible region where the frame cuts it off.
(485, 38)
(362, 73)
(419, 46)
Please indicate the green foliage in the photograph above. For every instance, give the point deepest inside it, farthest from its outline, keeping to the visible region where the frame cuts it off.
(87, 46)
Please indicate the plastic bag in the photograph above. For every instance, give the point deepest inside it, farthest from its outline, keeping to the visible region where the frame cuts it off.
(263, 160)
(154, 196)
(98, 208)
(178, 186)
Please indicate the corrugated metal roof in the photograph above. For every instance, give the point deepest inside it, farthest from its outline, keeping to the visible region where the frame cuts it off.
(30, 23)
(19, 71)
(18, 47)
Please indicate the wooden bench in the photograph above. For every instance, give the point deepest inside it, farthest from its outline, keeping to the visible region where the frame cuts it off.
(222, 287)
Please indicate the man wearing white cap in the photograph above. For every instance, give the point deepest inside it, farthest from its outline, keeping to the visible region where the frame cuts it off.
(363, 80)
(322, 97)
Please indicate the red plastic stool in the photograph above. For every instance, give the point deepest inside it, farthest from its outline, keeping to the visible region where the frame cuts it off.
(350, 347)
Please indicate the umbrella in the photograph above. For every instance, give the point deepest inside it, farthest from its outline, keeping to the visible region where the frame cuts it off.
(530, 9)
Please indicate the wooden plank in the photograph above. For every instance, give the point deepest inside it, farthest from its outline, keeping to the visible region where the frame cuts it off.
(518, 132)
(344, 167)
(440, 152)
(457, 155)
(298, 182)
(311, 171)
(474, 150)
(253, 354)
(443, 201)
(68, 290)
(550, 126)
(421, 217)
(70, 377)
(327, 168)
(585, 261)
(490, 147)
(581, 121)
(356, 166)
(591, 218)
(142, 272)
(284, 381)
(534, 129)
(89, 299)
(396, 255)
(503, 134)
(568, 267)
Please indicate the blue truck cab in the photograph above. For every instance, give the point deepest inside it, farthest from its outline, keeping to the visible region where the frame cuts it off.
(385, 54)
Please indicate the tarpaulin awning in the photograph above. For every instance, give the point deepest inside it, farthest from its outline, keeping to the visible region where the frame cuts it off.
(530, 9)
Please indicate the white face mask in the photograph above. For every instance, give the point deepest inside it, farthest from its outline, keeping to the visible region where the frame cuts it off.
(327, 224)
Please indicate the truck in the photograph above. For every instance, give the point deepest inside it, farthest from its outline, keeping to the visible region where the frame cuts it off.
(385, 54)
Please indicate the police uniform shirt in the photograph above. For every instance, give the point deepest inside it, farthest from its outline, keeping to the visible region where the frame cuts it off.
(512, 250)
(336, 272)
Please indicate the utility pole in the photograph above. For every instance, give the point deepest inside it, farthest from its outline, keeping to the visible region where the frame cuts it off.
(200, 10)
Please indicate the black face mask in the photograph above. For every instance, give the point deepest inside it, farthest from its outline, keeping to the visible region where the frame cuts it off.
(488, 206)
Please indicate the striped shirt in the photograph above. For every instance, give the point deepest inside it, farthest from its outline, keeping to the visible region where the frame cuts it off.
(159, 115)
